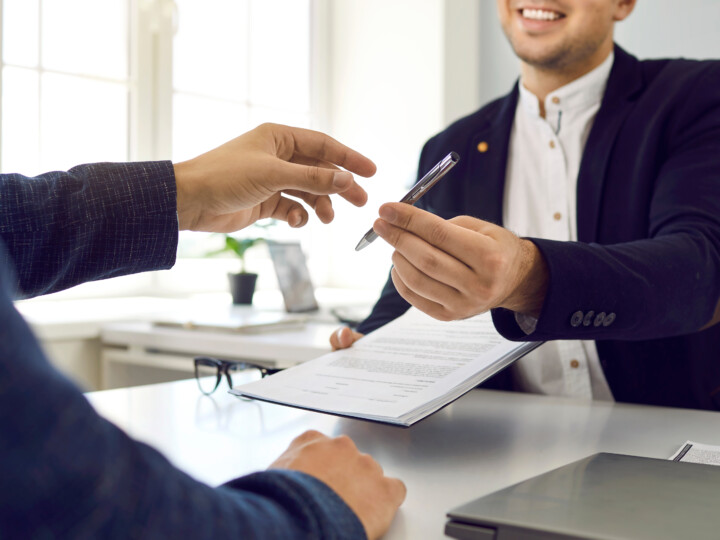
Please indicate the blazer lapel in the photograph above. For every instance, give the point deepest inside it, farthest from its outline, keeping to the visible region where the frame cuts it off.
(487, 161)
(624, 81)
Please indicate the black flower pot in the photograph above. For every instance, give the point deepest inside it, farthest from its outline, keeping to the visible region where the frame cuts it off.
(242, 287)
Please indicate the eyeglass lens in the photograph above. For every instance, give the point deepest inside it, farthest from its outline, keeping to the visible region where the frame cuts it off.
(207, 374)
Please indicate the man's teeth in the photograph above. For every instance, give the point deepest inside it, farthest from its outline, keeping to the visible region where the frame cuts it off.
(540, 14)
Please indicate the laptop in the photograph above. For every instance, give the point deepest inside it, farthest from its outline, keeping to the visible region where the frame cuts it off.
(601, 497)
(293, 276)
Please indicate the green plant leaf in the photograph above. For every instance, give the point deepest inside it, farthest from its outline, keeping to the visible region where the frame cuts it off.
(239, 246)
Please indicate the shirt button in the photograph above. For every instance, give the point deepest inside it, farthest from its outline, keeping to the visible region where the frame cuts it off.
(574, 364)
(557, 216)
(587, 321)
(599, 318)
(555, 100)
(576, 319)
(552, 144)
(609, 319)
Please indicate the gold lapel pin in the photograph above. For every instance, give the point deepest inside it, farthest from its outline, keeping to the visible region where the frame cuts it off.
(482, 147)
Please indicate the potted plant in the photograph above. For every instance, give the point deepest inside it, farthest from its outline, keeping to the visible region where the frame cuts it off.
(242, 284)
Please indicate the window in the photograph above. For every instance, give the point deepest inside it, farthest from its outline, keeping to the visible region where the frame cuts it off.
(237, 64)
(147, 79)
(65, 83)
(118, 80)
(157, 79)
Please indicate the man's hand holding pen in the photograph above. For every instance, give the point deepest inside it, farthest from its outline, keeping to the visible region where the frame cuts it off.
(454, 269)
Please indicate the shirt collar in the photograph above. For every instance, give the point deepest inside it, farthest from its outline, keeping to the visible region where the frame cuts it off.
(578, 95)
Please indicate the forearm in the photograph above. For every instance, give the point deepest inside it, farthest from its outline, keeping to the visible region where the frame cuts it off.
(92, 222)
(529, 292)
(99, 483)
(66, 472)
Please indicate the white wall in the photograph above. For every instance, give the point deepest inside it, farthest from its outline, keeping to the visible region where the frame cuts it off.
(655, 29)
(399, 71)
(498, 64)
(671, 28)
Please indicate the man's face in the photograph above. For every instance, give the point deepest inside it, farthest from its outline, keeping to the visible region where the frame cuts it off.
(561, 34)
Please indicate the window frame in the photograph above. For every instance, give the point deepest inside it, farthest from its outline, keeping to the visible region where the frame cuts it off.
(151, 26)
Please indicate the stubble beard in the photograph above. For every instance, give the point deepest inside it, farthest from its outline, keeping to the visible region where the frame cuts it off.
(565, 57)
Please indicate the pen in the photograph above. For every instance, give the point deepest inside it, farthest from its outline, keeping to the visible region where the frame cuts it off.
(418, 190)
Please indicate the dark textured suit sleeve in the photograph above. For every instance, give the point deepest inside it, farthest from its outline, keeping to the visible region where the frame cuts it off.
(93, 222)
(669, 283)
(66, 472)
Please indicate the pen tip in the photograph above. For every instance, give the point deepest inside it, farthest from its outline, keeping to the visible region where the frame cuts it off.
(361, 244)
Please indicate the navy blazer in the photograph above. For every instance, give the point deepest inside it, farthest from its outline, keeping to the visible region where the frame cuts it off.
(65, 472)
(648, 219)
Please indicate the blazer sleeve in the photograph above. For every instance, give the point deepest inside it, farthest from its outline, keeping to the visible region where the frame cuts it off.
(389, 307)
(665, 285)
(92, 222)
(68, 473)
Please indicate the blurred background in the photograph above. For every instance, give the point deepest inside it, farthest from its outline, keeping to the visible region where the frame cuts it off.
(85, 81)
(117, 80)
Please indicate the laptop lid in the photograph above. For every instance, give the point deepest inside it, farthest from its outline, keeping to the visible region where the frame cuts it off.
(601, 496)
(293, 276)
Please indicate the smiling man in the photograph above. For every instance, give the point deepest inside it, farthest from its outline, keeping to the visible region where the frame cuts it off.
(607, 171)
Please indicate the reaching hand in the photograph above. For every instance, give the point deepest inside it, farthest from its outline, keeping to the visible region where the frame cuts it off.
(249, 177)
(343, 338)
(356, 478)
(461, 267)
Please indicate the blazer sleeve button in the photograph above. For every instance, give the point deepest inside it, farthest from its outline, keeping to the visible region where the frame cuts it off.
(576, 319)
(599, 318)
(588, 319)
(609, 319)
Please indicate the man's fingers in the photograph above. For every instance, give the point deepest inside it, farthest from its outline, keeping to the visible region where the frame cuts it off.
(313, 162)
(398, 490)
(450, 237)
(313, 144)
(320, 203)
(422, 284)
(473, 224)
(335, 339)
(435, 310)
(343, 338)
(432, 260)
(319, 181)
(308, 437)
(290, 211)
(347, 338)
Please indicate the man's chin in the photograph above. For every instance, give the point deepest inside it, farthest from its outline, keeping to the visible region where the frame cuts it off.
(547, 59)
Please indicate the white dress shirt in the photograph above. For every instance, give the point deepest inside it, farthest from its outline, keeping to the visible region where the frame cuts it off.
(540, 200)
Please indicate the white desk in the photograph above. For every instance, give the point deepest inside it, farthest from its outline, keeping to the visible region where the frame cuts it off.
(110, 342)
(277, 348)
(483, 442)
(140, 352)
(146, 346)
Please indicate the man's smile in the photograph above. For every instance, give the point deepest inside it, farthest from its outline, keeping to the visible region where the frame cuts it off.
(540, 14)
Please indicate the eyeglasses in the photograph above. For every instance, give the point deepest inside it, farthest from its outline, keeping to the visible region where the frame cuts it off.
(205, 367)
